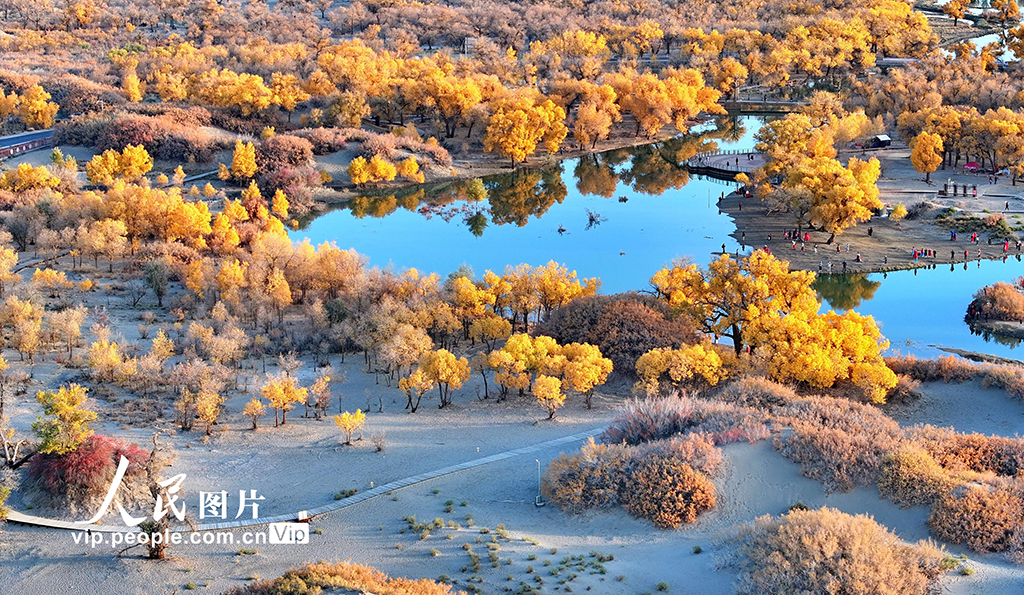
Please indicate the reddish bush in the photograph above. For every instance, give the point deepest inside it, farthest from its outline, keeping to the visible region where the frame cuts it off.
(906, 388)
(971, 452)
(324, 140)
(297, 183)
(671, 476)
(946, 369)
(828, 551)
(340, 576)
(130, 130)
(667, 492)
(283, 151)
(379, 145)
(999, 301)
(85, 474)
(624, 326)
(985, 518)
(185, 146)
(78, 95)
(757, 392)
(837, 441)
(591, 478)
(640, 421)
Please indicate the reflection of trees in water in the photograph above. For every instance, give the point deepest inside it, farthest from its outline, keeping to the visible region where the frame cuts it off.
(596, 175)
(514, 198)
(844, 292)
(991, 337)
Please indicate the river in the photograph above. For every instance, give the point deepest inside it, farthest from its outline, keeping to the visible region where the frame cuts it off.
(621, 216)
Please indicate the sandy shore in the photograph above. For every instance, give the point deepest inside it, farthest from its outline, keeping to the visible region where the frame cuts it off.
(885, 245)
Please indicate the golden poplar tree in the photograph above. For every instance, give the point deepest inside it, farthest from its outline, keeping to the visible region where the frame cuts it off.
(926, 153)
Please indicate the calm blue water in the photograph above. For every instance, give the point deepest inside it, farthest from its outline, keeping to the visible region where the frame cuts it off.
(538, 216)
(667, 215)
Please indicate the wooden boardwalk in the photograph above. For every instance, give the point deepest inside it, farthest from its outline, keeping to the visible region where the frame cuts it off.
(25, 519)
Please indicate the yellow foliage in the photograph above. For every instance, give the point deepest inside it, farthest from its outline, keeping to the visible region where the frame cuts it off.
(66, 424)
(926, 153)
(35, 108)
(349, 423)
(548, 391)
(130, 165)
(27, 178)
(243, 161)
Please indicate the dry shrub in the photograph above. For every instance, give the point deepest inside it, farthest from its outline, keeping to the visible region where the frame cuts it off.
(828, 551)
(185, 146)
(588, 479)
(911, 477)
(958, 453)
(836, 441)
(333, 577)
(946, 369)
(297, 183)
(77, 95)
(130, 130)
(999, 301)
(191, 117)
(325, 140)
(984, 517)
(379, 145)
(628, 329)
(625, 326)
(1008, 377)
(649, 480)
(906, 389)
(757, 392)
(667, 492)
(639, 421)
(282, 151)
(251, 125)
(82, 477)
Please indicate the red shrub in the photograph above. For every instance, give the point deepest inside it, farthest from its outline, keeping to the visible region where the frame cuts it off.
(667, 492)
(983, 517)
(130, 130)
(640, 421)
(86, 473)
(283, 151)
(837, 441)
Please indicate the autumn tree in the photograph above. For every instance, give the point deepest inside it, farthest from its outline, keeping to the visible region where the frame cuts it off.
(282, 392)
(35, 108)
(67, 420)
(349, 423)
(690, 368)
(519, 124)
(443, 368)
(548, 391)
(583, 368)
(254, 410)
(243, 161)
(415, 385)
(739, 299)
(926, 153)
(129, 165)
